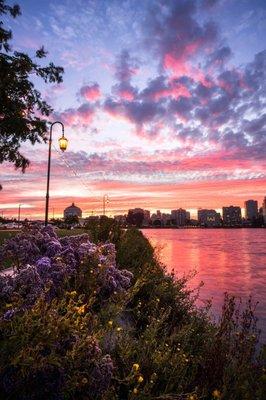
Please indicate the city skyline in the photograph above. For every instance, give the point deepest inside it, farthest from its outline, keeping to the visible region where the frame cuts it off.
(162, 103)
(26, 212)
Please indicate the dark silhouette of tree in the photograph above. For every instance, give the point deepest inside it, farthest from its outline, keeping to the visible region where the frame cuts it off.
(135, 218)
(71, 220)
(23, 113)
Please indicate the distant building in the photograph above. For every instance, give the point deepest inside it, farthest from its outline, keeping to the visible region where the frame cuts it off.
(179, 217)
(159, 214)
(72, 211)
(264, 210)
(251, 209)
(232, 216)
(166, 219)
(209, 218)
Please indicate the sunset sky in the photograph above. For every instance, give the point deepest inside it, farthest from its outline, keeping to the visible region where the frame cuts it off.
(163, 104)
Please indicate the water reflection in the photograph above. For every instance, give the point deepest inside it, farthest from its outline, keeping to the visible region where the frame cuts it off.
(230, 260)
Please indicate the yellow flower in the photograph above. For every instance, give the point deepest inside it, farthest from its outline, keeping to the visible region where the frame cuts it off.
(110, 323)
(135, 390)
(119, 329)
(73, 294)
(140, 379)
(81, 310)
(193, 397)
(216, 394)
(135, 367)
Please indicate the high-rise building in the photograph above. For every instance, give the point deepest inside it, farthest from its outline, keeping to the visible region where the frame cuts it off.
(179, 216)
(264, 210)
(251, 209)
(209, 217)
(232, 216)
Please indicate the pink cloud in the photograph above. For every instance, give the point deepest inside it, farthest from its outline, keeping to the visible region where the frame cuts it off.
(90, 92)
(83, 115)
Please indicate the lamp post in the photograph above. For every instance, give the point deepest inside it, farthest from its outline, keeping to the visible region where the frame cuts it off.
(105, 200)
(63, 146)
(19, 206)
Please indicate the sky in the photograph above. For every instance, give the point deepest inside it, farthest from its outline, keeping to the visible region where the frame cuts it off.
(163, 104)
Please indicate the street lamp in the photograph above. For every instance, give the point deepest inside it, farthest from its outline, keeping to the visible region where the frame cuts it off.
(19, 206)
(63, 146)
(105, 200)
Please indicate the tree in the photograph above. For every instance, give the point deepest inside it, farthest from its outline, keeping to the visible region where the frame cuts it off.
(71, 220)
(23, 113)
(135, 218)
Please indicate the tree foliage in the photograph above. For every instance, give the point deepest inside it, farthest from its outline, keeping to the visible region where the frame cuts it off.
(23, 112)
(135, 218)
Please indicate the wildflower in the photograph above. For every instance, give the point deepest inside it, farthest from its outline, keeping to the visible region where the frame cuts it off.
(110, 323)
(73, 294)
(84, 381)
(119, 329)
(140, 379)
(216, 394)
(135, 391)
(80, 310)
(135, 367)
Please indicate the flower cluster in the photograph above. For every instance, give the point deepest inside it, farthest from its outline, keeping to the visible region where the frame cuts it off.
(46, 262)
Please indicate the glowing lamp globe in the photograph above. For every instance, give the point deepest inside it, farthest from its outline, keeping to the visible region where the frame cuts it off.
(63, 143)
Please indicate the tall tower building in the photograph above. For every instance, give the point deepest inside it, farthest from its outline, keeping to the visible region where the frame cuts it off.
(251, 209)
(232, 216)
(264, 210)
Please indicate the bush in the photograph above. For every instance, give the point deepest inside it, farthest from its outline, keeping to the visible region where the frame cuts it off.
(104, 321)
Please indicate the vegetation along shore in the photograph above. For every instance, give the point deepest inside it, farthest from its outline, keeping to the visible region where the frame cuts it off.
(95, 316)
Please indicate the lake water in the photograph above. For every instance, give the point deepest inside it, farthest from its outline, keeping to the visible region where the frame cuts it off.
(226, 260)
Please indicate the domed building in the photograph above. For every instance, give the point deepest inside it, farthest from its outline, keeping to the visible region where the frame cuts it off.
(72, 211)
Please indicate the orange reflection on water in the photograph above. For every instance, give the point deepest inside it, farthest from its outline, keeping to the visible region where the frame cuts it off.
(226, 260)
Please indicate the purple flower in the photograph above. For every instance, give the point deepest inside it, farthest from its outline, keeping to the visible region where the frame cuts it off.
(53, 247)
(86, 250)
(8, 314)
(101, 375)
(27, 283)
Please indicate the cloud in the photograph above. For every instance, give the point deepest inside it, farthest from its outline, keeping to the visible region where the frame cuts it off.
(81, 116)
(125, 68)
(173, 33)
(90, 92)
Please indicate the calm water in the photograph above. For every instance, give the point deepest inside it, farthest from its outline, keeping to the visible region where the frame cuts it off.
(226, 260)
